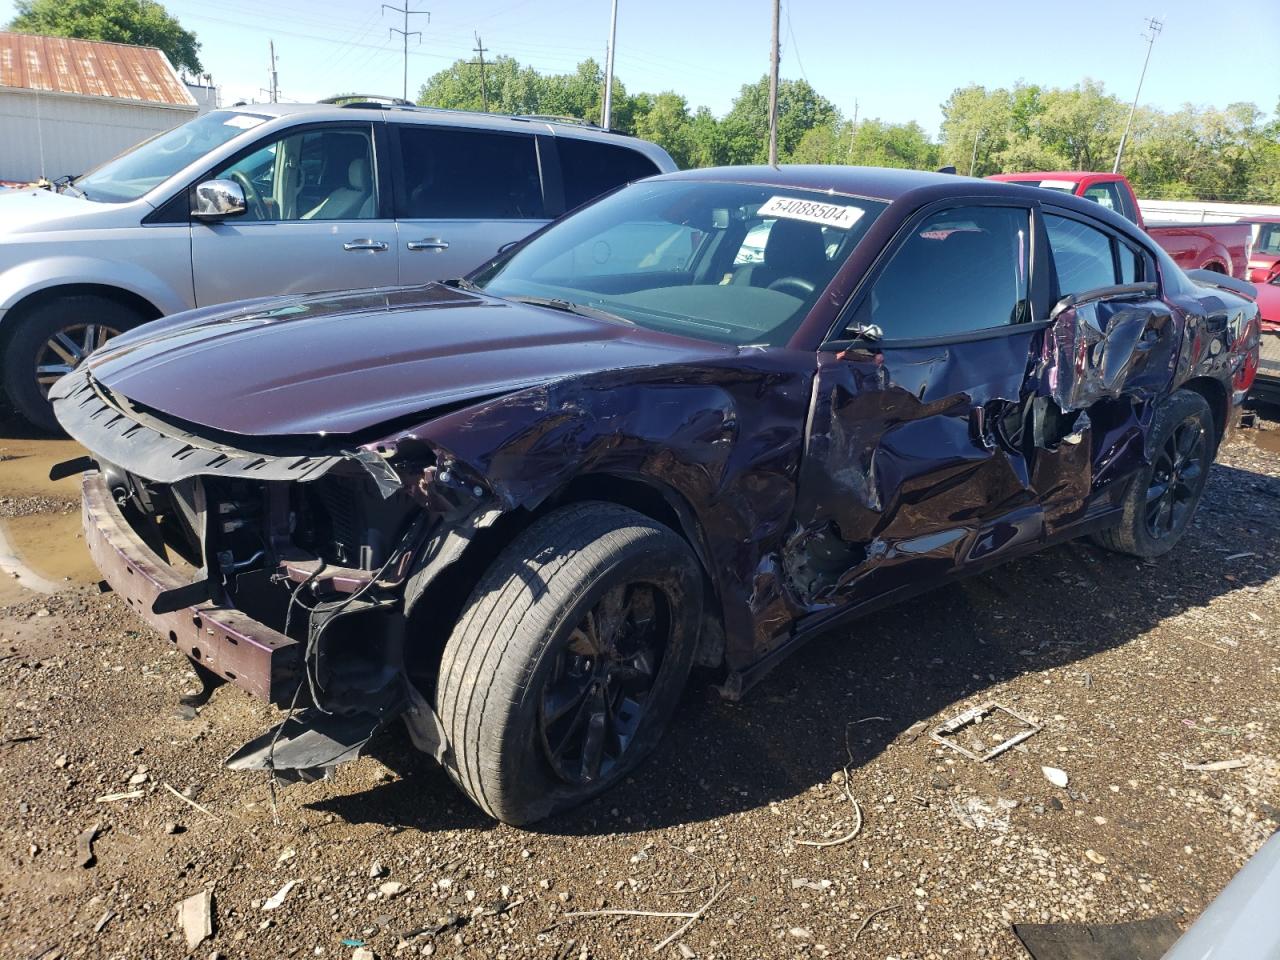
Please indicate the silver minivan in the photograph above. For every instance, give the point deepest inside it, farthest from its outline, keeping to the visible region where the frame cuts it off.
(272, 199)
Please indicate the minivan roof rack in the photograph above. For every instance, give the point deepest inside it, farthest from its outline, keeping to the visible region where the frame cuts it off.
(365, 100)
(557, 118)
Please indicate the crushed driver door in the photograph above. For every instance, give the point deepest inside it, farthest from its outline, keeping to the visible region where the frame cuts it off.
(915, 462)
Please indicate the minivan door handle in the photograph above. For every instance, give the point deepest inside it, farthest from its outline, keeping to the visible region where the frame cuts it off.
(431, 243)
(378, 246)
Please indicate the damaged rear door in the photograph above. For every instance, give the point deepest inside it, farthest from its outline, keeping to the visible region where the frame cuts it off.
(915, 463)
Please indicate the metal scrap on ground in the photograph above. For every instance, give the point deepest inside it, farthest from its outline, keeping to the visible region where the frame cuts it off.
(976, 715)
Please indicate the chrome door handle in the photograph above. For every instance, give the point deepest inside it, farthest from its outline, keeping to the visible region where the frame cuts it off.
(433, 243)
(378, 246)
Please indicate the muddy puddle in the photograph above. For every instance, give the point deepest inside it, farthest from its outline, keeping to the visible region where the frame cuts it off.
(1266, 439)
(44, 536)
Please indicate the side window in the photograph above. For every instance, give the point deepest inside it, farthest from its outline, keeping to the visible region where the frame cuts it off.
(590, 168)
(453, 174)
(959, 271)
(1131, 264)
(1105, 195)
(325, 174)
(1081, 254)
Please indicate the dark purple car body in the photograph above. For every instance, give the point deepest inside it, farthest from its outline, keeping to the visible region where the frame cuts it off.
(820, 477)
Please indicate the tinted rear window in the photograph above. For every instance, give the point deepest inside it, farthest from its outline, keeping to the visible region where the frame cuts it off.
(591, 169)
(469, 175)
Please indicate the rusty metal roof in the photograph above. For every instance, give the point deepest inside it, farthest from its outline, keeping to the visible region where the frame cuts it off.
(90, 68)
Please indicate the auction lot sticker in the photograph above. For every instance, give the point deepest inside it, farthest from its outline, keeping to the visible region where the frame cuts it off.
(827, 214)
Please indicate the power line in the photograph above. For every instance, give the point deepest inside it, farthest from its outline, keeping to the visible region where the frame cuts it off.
(406, 33)
(1154, 26)
(795, 47)
(480, 51)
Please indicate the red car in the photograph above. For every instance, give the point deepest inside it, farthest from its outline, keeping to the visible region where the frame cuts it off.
(1221, 247)
(1266, 386)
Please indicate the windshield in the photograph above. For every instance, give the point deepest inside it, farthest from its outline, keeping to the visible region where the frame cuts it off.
(153, 161)
(734, 263)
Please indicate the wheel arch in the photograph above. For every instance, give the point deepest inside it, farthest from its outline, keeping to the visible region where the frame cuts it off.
(1219, 400)
(432, 607)
(51, 294)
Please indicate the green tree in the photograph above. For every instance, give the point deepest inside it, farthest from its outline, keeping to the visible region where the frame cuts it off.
(976, 125)
(800, 109)
(142, 22)
(510, 87)
(665, 120)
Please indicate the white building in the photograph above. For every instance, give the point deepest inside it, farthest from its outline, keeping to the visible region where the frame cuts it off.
(68, 105)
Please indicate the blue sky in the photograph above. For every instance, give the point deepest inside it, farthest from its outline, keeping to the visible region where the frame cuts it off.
(899, 61)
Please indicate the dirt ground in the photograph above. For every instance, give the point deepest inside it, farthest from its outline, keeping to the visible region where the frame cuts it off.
(1133, 668)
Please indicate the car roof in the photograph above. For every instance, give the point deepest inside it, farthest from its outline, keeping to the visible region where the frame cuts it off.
(567, 127)
(909, 189)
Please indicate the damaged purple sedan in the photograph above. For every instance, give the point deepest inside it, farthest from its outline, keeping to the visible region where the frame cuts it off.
(694, 423)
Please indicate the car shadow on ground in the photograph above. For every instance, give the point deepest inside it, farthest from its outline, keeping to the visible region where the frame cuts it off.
(937, 654)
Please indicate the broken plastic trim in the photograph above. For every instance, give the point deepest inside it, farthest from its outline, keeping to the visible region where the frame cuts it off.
(165, 452)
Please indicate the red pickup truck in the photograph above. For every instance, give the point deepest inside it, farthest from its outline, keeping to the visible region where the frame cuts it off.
(1223, 247)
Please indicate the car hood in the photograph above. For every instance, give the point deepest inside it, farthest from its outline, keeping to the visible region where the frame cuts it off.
(340, 364)
(29, 209)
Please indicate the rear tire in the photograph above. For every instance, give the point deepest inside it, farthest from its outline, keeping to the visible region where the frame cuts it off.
(568, 660)
(1164, 495)
(51, 340)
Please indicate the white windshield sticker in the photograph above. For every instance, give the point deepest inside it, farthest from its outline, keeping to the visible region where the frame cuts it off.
(243, 121)
(828, 214)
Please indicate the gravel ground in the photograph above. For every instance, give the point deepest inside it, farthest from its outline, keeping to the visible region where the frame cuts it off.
(1132, 668)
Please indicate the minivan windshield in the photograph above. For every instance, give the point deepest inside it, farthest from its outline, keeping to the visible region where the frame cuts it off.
(153, 161)
(735, 263)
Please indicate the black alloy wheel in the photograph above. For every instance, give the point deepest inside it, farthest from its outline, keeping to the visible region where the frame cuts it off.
(1175, 479)
(595, 700)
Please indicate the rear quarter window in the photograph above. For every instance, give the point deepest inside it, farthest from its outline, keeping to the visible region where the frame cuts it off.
(590, 169)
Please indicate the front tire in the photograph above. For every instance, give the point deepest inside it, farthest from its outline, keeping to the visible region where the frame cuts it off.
(568, 660)
(1163, 497)
(50, 341)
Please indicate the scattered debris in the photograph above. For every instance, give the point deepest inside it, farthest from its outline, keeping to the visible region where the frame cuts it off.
(103, 921)
(1093, 856)
(364, 953)
(945, 733)
(188, 800)
(979, 814)
(690, 918)
(1216, 765)
(1239, 556)
(872, 916)
(113, 797)
(275, 901)
(195, 918)
(448, 923)
(1055, 776)
(377, 870)
(857, 810)
(352, 942)
(392, 888)
(84, 845)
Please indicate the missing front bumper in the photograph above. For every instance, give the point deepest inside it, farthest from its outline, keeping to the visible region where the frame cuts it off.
(232, 645)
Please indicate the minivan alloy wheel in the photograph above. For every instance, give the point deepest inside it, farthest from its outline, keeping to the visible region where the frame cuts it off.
(67, 348)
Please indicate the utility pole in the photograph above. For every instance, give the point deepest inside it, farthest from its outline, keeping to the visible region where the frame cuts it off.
(1154, 26)
(607, 112)
(480, 51)
(773, 87)
(406, 33)
(853, 129)
(973, 157)
(275, 81)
